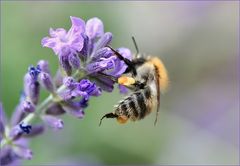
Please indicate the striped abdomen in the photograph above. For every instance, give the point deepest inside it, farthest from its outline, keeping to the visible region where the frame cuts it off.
(136, 106)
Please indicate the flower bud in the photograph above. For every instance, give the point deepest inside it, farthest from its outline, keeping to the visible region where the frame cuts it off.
(43, 65)
(103, 41)
(53, 122)
(63, 59)
(27, 106)
(46, 81)
(36, 130)
(73, 109)
(23, 152)
(31, 88)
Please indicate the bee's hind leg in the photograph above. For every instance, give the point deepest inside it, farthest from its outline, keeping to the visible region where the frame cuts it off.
(108, 115)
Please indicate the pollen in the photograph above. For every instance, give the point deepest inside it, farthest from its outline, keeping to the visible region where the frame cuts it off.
(122, 119)
(124, 80)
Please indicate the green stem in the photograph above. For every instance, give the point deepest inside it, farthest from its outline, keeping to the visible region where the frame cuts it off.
(43, 106)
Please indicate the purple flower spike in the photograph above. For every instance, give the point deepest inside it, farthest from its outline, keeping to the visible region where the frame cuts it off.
(43, 65)
(46, 81)
(27, 106)
(23, 152)
(94, 28)
(72, 39)
(53, 122)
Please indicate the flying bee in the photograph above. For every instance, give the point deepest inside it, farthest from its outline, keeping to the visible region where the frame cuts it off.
(146, 77)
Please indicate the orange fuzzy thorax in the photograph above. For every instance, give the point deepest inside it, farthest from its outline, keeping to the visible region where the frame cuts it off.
(162, 71)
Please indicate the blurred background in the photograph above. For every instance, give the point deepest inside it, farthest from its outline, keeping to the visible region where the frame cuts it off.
(199, 116)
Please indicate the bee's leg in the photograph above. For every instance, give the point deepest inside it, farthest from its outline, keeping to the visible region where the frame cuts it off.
(126, 61)
(108, 115)
(128, 82)
(108, 76)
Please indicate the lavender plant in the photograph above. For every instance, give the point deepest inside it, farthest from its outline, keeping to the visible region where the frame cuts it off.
(84, 66)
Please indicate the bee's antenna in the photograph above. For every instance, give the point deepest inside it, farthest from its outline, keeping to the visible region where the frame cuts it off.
(135, 44)
(125, 60)
(109, 115)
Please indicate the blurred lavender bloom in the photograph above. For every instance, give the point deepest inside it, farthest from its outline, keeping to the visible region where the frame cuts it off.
(74, 108)
(27, 106)
(18, 149)
(44, 66)
(53, 121)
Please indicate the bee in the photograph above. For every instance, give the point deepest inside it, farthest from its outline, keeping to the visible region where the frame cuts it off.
(146, 77)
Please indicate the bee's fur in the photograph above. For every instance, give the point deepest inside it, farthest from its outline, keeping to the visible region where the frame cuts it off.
(151, 78)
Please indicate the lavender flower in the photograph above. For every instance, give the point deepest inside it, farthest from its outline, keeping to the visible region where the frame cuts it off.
(18, 149)
(85, 62)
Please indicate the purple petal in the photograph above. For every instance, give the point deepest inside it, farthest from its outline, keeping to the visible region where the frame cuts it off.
(57, 33)
(103, 41)
(27, 106)
(23, 152)
(74, 61)
(69, 82)
(53, 122)
(3, 120)
(94, 28)
(122, 89)
(15, 133)
(17, 115)
(63, 59)
(43, 65)
(73, 109)
(78, 24)
(104, 52)
(120, 67)
(125, 52)
(8, 158)
(36, 130)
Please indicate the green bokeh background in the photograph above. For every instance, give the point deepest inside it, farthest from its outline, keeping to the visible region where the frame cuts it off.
(199, 117)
